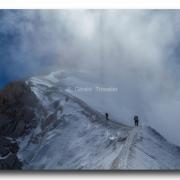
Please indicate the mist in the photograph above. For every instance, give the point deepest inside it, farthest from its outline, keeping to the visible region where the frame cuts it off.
(134, 50)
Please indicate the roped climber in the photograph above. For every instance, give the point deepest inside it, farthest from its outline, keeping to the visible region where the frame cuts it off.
(107, 116)
(136, 120)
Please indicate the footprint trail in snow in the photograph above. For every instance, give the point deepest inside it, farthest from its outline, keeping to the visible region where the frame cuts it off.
(121, 161)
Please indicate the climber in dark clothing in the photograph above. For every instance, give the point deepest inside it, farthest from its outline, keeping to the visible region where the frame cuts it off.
(107, 116)
(136, 120)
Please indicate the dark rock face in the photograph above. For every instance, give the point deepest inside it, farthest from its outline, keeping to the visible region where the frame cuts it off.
(17, 117)
(8, 150)
(10, 163)
(7, 146)
(3, 151)
(17, 104)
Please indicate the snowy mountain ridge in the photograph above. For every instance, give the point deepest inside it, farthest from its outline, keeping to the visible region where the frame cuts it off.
(72, 135)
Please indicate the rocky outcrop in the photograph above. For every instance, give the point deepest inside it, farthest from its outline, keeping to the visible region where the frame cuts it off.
(8, 151)
(17, 117)
(17, 114)
(10, 163)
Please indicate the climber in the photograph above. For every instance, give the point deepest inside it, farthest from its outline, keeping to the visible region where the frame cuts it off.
(136, 120)
(107, 116)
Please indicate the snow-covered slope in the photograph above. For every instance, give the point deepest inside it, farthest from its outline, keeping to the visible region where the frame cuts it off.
(73, 133)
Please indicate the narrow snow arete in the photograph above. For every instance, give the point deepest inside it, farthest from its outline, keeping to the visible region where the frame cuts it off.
(63, 129)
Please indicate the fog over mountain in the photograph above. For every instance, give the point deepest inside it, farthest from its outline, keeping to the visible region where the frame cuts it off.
(136, 51)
